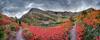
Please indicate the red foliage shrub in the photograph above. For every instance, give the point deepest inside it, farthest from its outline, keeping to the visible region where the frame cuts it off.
(98, 38)
(4, 21)
(50, 33)
(80, 31)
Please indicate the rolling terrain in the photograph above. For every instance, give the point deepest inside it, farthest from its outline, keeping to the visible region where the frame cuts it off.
(49, 25)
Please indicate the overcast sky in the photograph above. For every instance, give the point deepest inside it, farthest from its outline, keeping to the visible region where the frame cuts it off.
(16, 7)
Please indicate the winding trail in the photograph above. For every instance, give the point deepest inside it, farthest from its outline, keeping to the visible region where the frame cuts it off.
(73, 33)
(19, 35)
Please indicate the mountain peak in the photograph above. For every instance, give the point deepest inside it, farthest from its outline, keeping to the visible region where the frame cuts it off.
(35, 9)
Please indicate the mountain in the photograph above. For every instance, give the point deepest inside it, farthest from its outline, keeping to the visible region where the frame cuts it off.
(39, 17)
(44, 18)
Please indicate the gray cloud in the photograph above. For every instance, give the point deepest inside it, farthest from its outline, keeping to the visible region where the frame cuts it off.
(15, 7)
